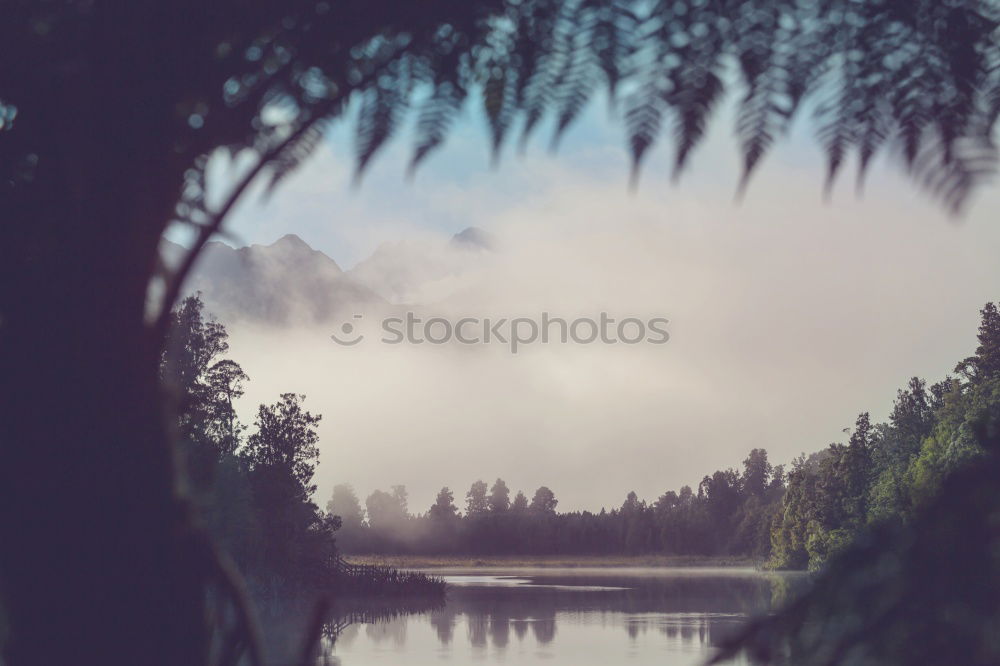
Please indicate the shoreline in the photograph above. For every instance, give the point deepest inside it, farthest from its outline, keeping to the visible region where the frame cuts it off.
(549, 561)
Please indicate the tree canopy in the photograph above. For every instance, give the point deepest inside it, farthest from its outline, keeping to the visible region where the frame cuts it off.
(902, 521)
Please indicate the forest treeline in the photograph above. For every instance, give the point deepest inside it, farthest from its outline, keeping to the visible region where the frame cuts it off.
(884, 472)
(252, 486)
(730, 513)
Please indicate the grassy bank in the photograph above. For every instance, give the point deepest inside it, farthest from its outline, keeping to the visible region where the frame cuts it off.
(497, 561)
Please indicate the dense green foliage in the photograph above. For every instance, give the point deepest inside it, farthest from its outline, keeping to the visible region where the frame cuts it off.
(254, 491)
(920, 584)
(887, 472)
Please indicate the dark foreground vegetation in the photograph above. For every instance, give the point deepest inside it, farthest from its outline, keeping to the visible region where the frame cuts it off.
(882, 475)
(253, 486)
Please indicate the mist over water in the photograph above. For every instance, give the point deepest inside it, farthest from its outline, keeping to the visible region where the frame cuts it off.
(588, 616)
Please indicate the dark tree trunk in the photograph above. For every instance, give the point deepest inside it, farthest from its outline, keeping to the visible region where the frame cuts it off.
(97, 561)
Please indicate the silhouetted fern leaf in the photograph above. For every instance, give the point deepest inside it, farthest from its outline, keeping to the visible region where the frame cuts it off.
(613, 40)
(696, 42)
(693, 103)
(499, 103)
(580, 69)
(436, 116)
(644, 110)
(549, 56)
(289, 159)
(766, 56)
(950, 170)
(920, 75)
(381, 110)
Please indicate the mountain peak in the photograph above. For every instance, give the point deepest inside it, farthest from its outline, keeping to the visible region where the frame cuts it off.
(281, 283)
(291, 240)
(474, 237)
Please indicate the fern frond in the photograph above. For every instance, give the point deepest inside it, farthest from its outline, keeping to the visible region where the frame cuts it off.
(693, 101)
(437, 114)
(765, 108)
(615, 24)
(696, 85)
(644, 111)
(574, 84)
(923, 75)
(951, 170)
(296, 153)
(499, 102)
(381, 110)
(548, 57)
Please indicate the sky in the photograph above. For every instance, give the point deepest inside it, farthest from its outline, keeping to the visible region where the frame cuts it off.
(788, 315)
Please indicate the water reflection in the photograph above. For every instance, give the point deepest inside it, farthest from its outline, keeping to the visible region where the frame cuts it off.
(666, 617)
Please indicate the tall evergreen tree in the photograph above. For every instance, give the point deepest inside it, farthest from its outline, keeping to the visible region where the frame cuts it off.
(444, 508)
(986, 362)
(499, 499)
(204, 385)
(345, 503)
(756, 473)
(476, 501)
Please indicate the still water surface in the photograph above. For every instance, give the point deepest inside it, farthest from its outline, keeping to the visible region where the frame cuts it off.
(667, 617)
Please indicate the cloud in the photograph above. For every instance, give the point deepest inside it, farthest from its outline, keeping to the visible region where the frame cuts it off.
(787, 317)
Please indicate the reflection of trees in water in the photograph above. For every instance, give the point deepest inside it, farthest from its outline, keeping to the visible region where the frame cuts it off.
(700, 609)
(348, 634)
(689, 609)
(520, 628)
(544, 629)
(393, 632)
(632, 627)
(687, 628)
(500, 629)
(478, 625)
(684, 593)
(443, 622)
(382, 620)
(784, 589)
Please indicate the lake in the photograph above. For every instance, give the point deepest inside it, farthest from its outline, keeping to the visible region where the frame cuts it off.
(667, 617)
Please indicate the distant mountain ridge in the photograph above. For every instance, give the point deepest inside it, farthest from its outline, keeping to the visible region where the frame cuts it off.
(420, 269)
(281, 283)
(474, 238)
(289, 282)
